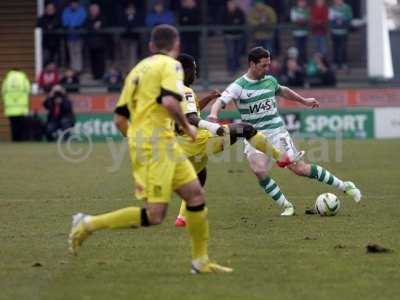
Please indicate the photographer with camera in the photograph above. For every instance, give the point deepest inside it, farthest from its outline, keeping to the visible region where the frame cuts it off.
(60, 115)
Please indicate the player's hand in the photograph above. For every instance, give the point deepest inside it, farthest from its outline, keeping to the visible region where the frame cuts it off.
(212, 118)
(191, 131)
(311, 102)
(221, 131)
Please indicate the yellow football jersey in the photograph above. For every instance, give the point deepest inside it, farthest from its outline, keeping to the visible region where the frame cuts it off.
(149, 80)
(190, 103)
(205, 142)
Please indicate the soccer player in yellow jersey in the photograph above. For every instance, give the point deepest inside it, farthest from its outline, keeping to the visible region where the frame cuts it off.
(210, 137)
(145, 112)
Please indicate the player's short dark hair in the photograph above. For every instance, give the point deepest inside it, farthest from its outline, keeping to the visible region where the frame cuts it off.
(187, 61)
(164, 36)
(189, 66)
(257, 53)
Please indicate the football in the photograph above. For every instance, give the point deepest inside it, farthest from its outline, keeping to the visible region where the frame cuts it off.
(327, 204)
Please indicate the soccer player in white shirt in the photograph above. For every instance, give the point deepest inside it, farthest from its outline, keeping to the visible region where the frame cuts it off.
(255, 97)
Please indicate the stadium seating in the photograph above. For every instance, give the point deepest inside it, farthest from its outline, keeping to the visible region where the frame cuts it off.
(357, 56)
(17, 20)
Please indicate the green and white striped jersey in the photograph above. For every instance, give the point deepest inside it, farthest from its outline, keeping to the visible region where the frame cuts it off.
(256, 101)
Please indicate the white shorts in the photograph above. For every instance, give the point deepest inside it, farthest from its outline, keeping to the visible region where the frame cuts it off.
(281, 139)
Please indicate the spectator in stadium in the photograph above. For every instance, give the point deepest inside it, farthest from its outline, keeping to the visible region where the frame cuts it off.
(34, 127)
(319, 71)
(110, 10)
(262, 18)
(49, 77)
(60, 114)
(275, 68)
(190, 15)
(300, 17)
(74, 17)
(292, 74)
(96, 41)
(293, 53)
(340, 16)
(214, 10)
(233, 16)
(113, 79)
(245, 5)
(279, 7)
(281, 11)
(159, 15)
(15, 93)
(319, 26)
(51, 42)
(70, 81)
(130, 40)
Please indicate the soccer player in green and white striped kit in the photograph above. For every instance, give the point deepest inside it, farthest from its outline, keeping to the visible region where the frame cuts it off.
(255, 97)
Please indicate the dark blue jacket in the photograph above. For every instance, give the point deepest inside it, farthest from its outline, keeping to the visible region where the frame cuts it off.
(153, 19)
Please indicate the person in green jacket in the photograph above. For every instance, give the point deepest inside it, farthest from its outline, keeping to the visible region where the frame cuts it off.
(340, 16)
(15, 93)
(300, 17)
(262, 20)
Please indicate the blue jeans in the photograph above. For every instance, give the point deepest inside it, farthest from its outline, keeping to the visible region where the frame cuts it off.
(233, 47)
(266, 43)
(301, 45)
(321, 44)
(339, 49)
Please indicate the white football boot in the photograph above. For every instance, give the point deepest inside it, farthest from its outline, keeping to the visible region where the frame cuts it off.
(288, 210)
(351, 190)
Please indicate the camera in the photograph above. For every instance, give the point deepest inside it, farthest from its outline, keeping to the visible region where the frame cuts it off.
(58, 94)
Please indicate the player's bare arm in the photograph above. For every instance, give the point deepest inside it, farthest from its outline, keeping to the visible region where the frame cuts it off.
(289, 94)
(215, 128)
(122, 124)
(207, 99)
(172, 105)
(215, 109)
(121, 119)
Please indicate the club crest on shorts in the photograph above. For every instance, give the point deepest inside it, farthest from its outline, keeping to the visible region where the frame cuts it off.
(157, 190)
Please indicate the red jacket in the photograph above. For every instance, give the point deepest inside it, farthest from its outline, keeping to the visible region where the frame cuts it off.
(46, 80)
(319, 20)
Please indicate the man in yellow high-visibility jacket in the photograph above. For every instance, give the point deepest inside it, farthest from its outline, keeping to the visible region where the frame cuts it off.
(15, 94)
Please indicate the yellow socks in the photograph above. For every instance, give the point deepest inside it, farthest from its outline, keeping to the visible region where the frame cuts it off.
(260, 142)
(197, 224)
(182, 210)
(122, 218)
(196, 220)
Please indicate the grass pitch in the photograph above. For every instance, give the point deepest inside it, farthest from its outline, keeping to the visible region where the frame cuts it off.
(301, 257)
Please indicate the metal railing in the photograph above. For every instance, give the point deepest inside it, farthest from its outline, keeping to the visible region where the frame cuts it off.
(204, 31)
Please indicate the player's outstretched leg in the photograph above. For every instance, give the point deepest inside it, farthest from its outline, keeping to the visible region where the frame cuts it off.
(259, 165)
(261, 143)
(84, 225)
(321, 174)
(272, 189)
(197, 224)
(180, 220)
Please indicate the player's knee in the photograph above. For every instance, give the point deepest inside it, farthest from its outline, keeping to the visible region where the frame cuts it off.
(154, 217)
(260, 173)
(199, 194)
(196, 197)
(259, 168)
(298, 169)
